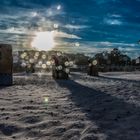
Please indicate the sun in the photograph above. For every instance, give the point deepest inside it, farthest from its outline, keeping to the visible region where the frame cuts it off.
(44, 41)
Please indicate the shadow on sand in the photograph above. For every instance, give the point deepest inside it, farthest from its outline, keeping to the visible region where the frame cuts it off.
(2, 87)
(117, 119)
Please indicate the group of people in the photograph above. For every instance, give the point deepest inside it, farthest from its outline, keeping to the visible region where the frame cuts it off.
(60, 67)
(92, 67)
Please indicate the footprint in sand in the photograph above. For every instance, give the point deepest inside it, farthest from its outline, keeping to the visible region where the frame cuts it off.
(8, 130)
(30, 119)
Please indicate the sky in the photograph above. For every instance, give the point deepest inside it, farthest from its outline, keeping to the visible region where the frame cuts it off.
(75, 26)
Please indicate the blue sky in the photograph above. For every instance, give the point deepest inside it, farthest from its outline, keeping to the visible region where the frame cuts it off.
(87, 26)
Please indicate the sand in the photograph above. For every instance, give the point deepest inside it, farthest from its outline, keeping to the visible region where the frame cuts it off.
(37, 107)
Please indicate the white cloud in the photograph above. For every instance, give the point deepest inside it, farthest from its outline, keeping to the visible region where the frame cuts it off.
(129, 49)
(66, 35)
(113, 21)
(14, 30)
(34, 14)
(115, 16)
(106, 1)
(96, 47)
(69, 26)
(106, 43)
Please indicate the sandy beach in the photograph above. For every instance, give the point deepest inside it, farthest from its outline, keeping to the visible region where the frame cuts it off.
(37, 107)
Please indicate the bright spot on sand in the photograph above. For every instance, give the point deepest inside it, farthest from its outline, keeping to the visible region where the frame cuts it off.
(46, 99)
(44, 41)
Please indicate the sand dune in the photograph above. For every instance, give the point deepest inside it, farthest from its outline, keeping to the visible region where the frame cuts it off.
(83, 108)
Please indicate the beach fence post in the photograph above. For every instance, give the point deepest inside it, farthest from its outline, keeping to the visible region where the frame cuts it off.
(93, 68)
(6, 65)
(60, 68)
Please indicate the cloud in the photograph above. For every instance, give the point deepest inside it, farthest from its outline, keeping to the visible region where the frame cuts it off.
(71, 48)
(60, 34)
(69, 26)
(13, 30)
(129, 49)
(106, 1)
(113, 21)
(97, 47)
(21, 19)
(115, 15)
(114, 44)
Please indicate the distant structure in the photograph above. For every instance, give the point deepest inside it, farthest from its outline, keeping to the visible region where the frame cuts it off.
(6, 65)
(138, 60)
(60, 68)
(93, 68)
(31, 61)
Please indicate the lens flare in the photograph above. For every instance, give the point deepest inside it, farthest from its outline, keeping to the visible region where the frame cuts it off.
(35, 57)
(29, 66)
(59, 53)
(94, 62)
(66, 63)
(37, 54)
(71, 63)
(15, 59)
(23, 65)
(46, 100)
(23, 55)
(31, 61)
(48, 63)
(59, 7)
(67, 70)
(90, 65)
(59, 67)
(40, 63)
(27, 58)
(44, 66)
(56, 26)
(77, 44)
(44, 56)
(52, 62)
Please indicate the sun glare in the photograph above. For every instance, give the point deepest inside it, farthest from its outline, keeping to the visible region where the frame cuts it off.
(44, 41)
